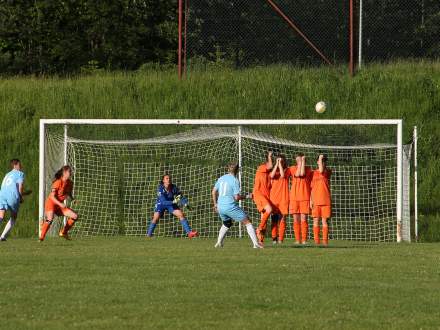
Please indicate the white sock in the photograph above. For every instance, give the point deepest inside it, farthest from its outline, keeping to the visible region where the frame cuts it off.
(251, 231)
(8, 228)
(221, 234)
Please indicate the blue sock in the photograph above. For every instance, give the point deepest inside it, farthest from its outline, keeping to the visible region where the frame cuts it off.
(185, 225)
(151, 229)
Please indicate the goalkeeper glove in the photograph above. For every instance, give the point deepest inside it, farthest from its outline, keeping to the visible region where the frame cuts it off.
(176, 199)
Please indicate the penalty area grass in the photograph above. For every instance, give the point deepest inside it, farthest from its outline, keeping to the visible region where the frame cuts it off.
(160, 283)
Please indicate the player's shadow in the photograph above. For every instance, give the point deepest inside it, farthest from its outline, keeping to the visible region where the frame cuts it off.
(312, 246)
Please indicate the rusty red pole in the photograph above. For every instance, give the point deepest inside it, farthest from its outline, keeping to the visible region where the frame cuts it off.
(351, 61)
(294, 27)
(179, 50)
(184, 37)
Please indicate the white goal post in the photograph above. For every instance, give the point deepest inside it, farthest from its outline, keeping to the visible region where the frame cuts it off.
(233, 129)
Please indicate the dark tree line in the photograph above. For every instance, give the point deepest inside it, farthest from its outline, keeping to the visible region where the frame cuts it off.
(67, 36)
(48, 36)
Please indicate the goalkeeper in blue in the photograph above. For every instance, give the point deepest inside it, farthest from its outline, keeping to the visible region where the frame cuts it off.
(170, 199)
(225, 196)
(11, 195)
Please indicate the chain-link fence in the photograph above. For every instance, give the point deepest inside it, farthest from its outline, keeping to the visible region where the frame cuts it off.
(244, 33)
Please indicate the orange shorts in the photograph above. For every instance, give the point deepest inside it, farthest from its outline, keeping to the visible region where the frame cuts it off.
(322, 211)
(50, 206)
(261, 202)
(299, 207)
(280, 208)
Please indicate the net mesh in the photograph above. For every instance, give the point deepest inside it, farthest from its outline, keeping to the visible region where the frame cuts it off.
(115, 181)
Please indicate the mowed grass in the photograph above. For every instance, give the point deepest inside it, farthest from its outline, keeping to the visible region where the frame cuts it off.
(115, 283)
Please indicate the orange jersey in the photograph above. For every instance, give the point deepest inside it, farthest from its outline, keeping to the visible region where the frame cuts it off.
(62, 189)
(321, 187)
(300, 189)
(279, 191)
(262, 182)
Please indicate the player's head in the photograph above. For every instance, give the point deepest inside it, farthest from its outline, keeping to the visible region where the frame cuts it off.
(166, 180)
(323, 158)
(15, 164)
(283, 160)
(63, 173)
(298, 157)
(233, 168)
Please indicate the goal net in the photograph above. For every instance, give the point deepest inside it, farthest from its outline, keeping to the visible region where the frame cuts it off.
(117, 168)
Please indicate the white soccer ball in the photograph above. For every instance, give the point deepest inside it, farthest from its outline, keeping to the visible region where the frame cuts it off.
(320, 107)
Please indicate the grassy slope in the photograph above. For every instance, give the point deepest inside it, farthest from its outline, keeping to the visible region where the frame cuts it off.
(175, 283)
(403, 90)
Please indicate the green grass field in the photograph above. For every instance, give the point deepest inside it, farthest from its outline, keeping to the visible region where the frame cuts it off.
(115, 283)
(407, 90)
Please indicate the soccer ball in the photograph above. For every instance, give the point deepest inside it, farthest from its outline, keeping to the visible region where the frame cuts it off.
(320, 107)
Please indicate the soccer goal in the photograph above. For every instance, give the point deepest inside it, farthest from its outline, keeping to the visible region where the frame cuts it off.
(117, 165)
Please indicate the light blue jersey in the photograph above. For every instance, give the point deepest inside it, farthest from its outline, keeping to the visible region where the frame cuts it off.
(9, 193)
(228, 187)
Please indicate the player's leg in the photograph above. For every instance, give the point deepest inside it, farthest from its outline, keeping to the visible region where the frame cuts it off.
(251, 232)
(297, 227)
(184, 222)
(265, 214)
(47, 223)
(274, 226)
(282, 229)
(324, 231)
(316, 231)
(9, 225)
(326, 212)
(71, 218)
(156, 216)
(2, 214)
(227, 223)
(304, 228)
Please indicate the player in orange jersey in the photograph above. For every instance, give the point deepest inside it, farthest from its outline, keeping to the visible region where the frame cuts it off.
(279, 197)
(62, 188)
(299, 205)
(261, 195)
(321, 199)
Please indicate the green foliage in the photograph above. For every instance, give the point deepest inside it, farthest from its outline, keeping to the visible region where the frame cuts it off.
(65, 36)
(118, 283)
(402, 90)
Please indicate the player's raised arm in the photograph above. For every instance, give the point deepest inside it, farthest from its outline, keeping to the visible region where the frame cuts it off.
(281, 165)
(303, 165)
(298, 166)
(320, 164)
(269, 163)
(275, 168)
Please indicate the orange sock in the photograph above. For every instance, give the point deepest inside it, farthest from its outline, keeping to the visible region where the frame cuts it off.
(304, 230)
(297, 230)
(325, 234)
(316, 234)
(274, 229)
(69, 224)
(281, 230)
(44, 230)
(263, 223)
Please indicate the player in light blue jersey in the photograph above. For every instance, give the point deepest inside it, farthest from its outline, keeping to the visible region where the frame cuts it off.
(11, 195)
(225, 196)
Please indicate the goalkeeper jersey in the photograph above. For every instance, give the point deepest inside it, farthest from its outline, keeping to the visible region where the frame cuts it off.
(165, 197)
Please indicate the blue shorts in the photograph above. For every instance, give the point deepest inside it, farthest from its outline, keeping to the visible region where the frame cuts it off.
(235, 213)
(8, 205)
(162, 208)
